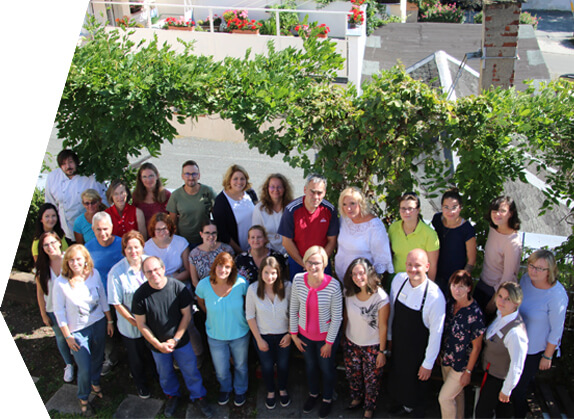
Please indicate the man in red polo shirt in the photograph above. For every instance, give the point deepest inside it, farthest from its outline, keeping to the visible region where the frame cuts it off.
(308, 221)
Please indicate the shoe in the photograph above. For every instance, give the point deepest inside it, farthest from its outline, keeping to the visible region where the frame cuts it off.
(204, 407)
(69, 373)
(355, 404)
(325, 409)
(310, 403)
(240, 399)
(367, 414)
(284, 400)
(270, 403)
(170, 406)
(399, 410)
(223, 398)
(86, 409)
(107, 367)
(97, 391)
(143, 393)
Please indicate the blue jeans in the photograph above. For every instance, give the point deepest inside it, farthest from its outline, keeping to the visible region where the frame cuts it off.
(60, 341)
(317, 366)
(90, 356)
(275, 355)
(188, 366)
(220, 352)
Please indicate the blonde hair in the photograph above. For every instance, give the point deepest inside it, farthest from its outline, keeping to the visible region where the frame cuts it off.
(357, 194)
(548, 256)
(229, 174)
(313, 250)
(514, 291)
(72, 250)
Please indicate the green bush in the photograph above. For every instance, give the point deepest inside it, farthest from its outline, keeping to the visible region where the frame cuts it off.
(447, 13)
(525, 19)
(23, 260)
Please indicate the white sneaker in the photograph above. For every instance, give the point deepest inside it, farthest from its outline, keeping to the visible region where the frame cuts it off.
(69, 373)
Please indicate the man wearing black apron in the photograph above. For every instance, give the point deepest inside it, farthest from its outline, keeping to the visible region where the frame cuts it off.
(417, 319)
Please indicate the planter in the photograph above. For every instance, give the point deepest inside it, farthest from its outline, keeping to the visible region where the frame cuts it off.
(322, 35)
(180, 28)
(246, 31)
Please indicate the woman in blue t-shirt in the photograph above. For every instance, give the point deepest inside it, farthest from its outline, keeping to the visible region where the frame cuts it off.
(222, 296)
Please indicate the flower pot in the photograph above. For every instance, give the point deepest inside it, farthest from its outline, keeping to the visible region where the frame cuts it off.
(352, 26)
(246, 31)
(181, 28)
(322, 35)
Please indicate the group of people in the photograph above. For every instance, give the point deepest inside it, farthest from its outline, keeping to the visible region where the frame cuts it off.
(192, 268)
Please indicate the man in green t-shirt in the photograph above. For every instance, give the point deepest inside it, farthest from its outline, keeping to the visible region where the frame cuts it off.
(190, 206)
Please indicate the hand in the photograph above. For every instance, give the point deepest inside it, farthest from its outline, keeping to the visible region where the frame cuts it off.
(165, 347)
(503, 397)
(381, 360)
(110, 329)
(545, 364)
(262, 345)
(132, 321)
(286, 341)
(46, 320)
(326, 350)
(424, 374)
(72, 344)
(464, 379)
(298, 343)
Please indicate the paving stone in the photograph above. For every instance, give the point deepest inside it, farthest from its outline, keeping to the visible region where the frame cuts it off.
(134, 407)
(219, 412)
(65, 400)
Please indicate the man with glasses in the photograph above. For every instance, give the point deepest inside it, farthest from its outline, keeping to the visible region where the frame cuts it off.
(64, 188)
(190, 205)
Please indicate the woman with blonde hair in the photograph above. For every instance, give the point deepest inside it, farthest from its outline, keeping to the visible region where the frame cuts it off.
(361, 234)
(233, 208)
(81, 308)
(92, 202)
(276, 193)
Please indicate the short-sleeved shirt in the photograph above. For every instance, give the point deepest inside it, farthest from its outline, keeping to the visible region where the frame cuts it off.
(37, 241)
(171, 255)
(84, 228)
(309, 229)
(162, 309)
(203, 260)
(123, 282)
(247, 268)
(225, 315)
(105, 257)
(460, 330)
(423, 237)
(363, 318)
(192, 211)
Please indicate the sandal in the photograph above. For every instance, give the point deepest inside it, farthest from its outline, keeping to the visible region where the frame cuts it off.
(97, 391)
(354, 404)
(367, 414)
(86, 408)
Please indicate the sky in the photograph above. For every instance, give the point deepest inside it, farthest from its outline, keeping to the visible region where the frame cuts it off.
(37, 40)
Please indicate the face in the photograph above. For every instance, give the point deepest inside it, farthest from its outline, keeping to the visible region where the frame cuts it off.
(314, 194)
(51, 246)
(120, 196)
(501, 216)
(269, 275)
(77, 263)
(102, 231)
(276, 189)
(360, 276)
(134, 249)
(256, 239)
(209, 234)
(49, 219)
(451, 209)
(223, 270)
(69, 167)
(161, 230)
(408, 210)
(91, 205)
(238, 182)
(190, 176)
(459, 291)
(538, 270)
(154, 272)
(148, 178)
(417, 266)
(504, 304)
(315, 265)
(351, 207)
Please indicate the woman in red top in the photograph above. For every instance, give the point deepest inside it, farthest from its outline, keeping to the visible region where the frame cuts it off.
(149, 194)
(125, 217)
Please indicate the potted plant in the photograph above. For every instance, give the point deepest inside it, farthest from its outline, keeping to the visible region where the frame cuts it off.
(180, 23)
(356, 17)
(320, 31)
(205, 25)
(237, 22)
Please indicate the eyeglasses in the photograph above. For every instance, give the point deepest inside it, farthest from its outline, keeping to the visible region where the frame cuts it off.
(537, 268)
(313, 263)
(453, 208)
(408, 209)
(193, 175)
(152, 271)
(90, 203)
(160, 229)
(50, 244)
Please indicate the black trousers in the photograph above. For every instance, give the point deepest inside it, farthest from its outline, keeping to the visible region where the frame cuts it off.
(139, 360)
(488, 402)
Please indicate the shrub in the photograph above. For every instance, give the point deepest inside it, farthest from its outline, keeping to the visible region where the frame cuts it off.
(23, 260)
(525, 19)
(448, 13)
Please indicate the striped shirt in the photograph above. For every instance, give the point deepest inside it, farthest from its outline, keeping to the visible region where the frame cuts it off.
(330, 301)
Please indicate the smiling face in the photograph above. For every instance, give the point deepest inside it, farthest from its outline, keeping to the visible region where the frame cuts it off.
(103, 232)
(314, 194)
(237, 182)
(69, 167)
(120, 196)
(360, 276)
(451, 209)
(91, 205)
(276, 189)
(222, 271)
(133, 251)
(209, 234)
(161, 231)
(417, 266)
(409, 210)
(154, 273)
(190, 175)
(49, 219)
(148, 178)
(501, 216)
(504, 304)
(51, 246)
(351, 207)
(256, 239)
(269, 275)
(315, 266)
(77, 263)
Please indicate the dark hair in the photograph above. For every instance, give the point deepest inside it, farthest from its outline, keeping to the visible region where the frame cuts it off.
(43, 261)
(189, 163)
(113, 186)
(65, 155)
(452, 193)
(266, 201)
(39, 227)
(513, 221)
(462, 276)
(220, 259)
(207, 222)
(140, 192)
(278, 285)
(372, 279)
(160, 217)
(411, 196)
